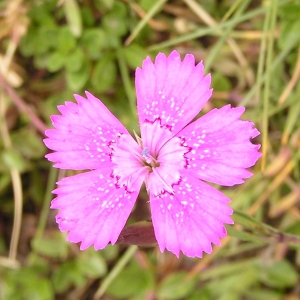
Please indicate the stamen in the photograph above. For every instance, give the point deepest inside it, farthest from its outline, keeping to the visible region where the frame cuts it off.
(149, 159)
(145, 152)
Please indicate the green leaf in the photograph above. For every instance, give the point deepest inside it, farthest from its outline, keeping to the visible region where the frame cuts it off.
(93, 41)
(77, 80)
(225, 286)
(28, 143)
(134, 55)
(116, 21)
(248, 222)
(105, 4)
(220, 82)
(35, 42)
(42, 14)
(146, 4)
(110, 252)
(225, 269)
(5, 181)
(40, 61)
(66, 41)
(13, 160)
(290, 11)
(39, 40)
(131, 282)
(259, 294)
(42, 290)
(73, 16)
(54, 246)
(50, 36)
(48, 107)
(201, 294)
(31, 284)
(279, 274)
(87, 16)
(91, 263)
(105, 74)
(289, 33)
(293, 117)
(55, 61)
(176, 286)
(75, 61)
(27, 45)
(112, 41)
(244, 236)
(66, 275)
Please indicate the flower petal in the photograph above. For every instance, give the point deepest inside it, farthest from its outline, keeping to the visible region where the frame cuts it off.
(191, 219)
(126, 154)
(155, 136)
(171, 159)
(83, 134)
(220, 146)
(171, 90)
(92, 207)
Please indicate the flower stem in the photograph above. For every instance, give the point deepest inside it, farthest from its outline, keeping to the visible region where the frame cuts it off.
(152, 11)
(14, 172)
(46, 204)
(115, 271)
(126, 80)
(272, 13)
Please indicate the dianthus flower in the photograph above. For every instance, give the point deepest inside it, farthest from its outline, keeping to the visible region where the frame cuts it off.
(173, 157)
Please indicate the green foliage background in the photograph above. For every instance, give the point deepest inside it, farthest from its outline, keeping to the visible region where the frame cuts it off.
(52, 49)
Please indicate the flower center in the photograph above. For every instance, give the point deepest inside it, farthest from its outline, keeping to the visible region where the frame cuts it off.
(149, 160)
(156, 158)
(164, 156)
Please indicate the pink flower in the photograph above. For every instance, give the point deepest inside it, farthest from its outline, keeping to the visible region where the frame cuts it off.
(173, 157)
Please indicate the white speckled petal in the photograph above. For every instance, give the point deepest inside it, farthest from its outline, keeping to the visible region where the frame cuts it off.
(221, 147)
(191, 219)
(92, 207)
(171, 90)
(83, 134)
